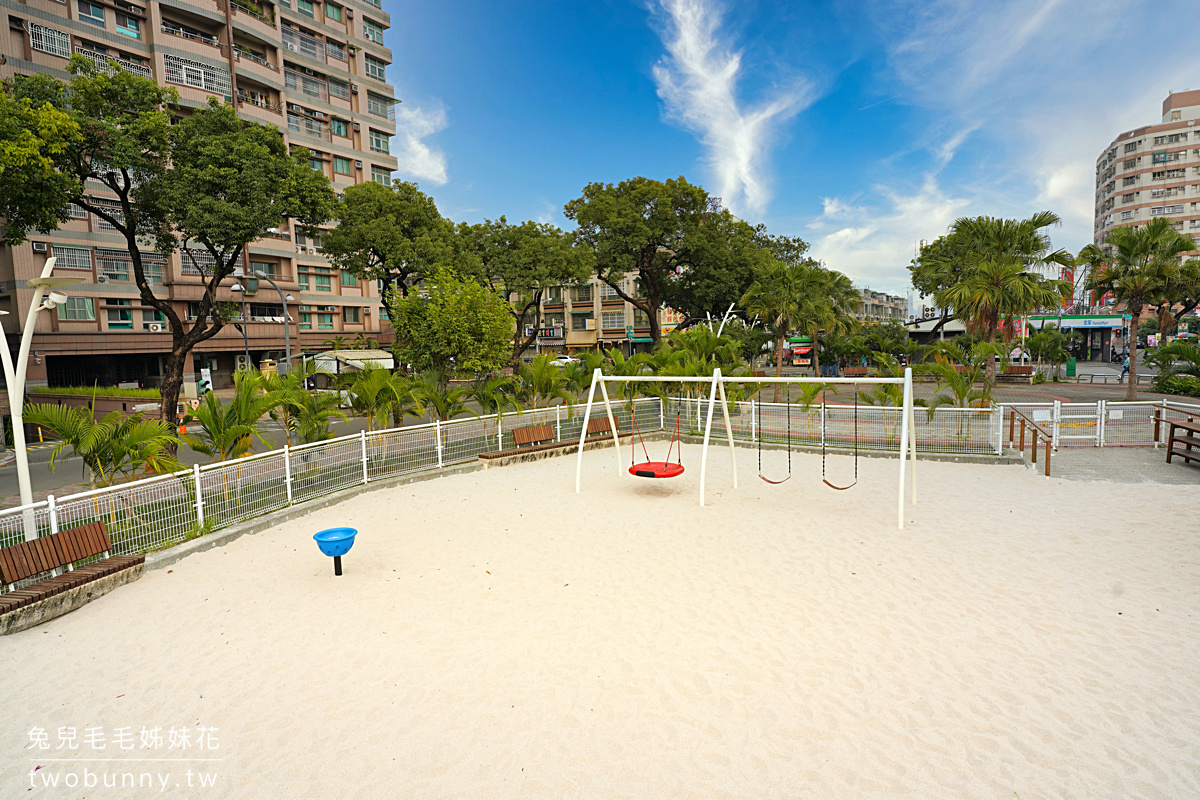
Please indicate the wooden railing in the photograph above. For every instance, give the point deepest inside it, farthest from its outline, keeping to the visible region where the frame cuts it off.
(1037, 430)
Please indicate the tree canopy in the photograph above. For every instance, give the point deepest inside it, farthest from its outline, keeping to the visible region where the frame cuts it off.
(453, 324)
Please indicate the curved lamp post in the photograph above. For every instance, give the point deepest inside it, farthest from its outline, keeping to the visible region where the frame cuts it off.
(45, 297)
(237, 287)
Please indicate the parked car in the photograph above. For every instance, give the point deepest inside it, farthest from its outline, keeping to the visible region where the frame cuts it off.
(562, 361)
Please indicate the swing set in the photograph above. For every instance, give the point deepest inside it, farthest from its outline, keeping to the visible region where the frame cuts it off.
(668, 469)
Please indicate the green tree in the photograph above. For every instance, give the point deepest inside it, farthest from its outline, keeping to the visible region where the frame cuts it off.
(1049, 345)
(227, 431)
(392, 234)
(116, 447)
(1140, 265)
(290, 390)
(654, 231)
(435, 398)
(379, 396)
(1176, 358)
(520, 262)
(314, 411)
(212, 180)
(452, 322)
(941, 264)
(542, 381)
(32, 139)
(1179, 295)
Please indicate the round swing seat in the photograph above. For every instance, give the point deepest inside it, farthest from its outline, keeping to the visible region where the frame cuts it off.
(656, 469)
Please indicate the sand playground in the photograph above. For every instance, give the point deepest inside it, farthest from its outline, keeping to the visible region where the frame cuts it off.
(496, 635)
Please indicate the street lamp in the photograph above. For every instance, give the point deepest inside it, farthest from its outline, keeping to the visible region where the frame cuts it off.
(16, 377)
(237, 287)
(287, 325)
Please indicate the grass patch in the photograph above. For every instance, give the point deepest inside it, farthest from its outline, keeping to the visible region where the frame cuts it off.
(99, 391)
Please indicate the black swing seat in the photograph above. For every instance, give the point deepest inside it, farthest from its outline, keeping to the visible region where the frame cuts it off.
(656, 469)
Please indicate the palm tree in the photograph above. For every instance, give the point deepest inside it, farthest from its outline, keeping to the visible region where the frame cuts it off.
(829, 304)
(999, 255)
(290, 390)
(434, 397)
(959, 371)
(115, 447)
(542, 382)
(363, 342)
(379, 396)
(1180, 286)
(495, 394)
(1177, 358)
(1048, 344)
(314, 412)
(336, 343)
(777, 296)
(228, 431)
(1141, 264)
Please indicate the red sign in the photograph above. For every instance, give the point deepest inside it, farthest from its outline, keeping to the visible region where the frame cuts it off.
(1068, 274)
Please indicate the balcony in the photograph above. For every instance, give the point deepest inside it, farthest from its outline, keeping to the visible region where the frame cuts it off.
(255, 10)
(103, 60)
(307, 85)
(308, 127)
(175, 29)
(297, 42)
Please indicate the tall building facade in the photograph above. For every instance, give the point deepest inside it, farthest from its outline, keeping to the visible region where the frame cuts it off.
(881, 307)
(316, 70)
(1153, 171)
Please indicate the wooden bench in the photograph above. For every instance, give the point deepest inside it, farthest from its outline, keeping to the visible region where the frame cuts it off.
(533, 435)
(50, 554)
(1182, 445)
(856, 372)
(599, 426)
(1016, 373)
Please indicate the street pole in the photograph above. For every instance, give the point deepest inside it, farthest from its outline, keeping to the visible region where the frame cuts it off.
(16, 380)
(287, 324)
(237, 287)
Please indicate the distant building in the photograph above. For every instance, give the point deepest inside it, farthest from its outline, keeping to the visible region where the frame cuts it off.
(1153, 171)
(880, 307)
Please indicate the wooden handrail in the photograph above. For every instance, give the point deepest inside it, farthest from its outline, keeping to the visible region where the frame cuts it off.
(1037, 430)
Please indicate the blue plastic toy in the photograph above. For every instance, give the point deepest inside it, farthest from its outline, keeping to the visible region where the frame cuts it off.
(336, 542)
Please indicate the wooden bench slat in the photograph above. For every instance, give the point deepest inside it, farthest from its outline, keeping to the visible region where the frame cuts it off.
(533, 434)
(600, 425)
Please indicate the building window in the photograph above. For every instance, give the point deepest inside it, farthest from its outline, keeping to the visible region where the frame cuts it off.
(120, 317)
(90, 12)
(338, 88)
(339, 127)
(305, 321)
(317, 164)
(613, 320)
(1130, 163)
(375, 68)
(581, 293)
(1127, 198)
(372, 31)
(324, 322)
(321, 282)
(349, 278)
(333, 12)
(607, 292)
(49, 40)
(199, 76)
(1126, 215)
(305, 7)
(379, 141)
(379, 106)
(302, 280)
(72, 257)
(640, 319)
(381, 175)
(350, 315)
(579, 322)
(129, 26)
(343, 166)
(1129, 181)
(1131, 147)
(78, 309)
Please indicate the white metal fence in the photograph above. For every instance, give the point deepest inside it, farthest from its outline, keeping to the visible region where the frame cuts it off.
(157, 512)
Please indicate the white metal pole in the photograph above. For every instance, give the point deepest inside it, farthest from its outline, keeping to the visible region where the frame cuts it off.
(903, 455)
(287, 471)
(16, 404)
(366, 474)
(557, 422)
(912, 433)
(199, 495)
(612, 423)
(729, 433)
(500, 430)
(587, 415)
(712, 399)
(437, 432)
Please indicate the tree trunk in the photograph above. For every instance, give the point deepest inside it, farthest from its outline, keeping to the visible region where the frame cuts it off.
(522, 343)
(990, 372)
(946, 317)
(779, 366)
(1135, 313)
(816, 359)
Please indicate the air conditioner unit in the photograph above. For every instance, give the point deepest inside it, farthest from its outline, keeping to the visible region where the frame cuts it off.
(358, 164)
(354, 88)
(156, 327)
(312, 251)
(242, 362)
(294, 107)
(308, 71)
(357, 127)
(101, 279)
(318, 115)
(40, 247)
(367, 310)
(349, 13)
(291, 47)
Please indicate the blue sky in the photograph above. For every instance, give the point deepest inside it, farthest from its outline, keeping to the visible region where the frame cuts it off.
(861, 126)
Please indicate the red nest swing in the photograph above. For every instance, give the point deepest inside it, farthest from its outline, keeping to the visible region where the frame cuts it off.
(656, 469)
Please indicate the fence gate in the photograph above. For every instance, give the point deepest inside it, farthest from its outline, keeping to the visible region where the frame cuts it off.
(1077, 424)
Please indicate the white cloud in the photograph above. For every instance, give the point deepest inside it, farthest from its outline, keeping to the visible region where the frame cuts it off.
(698, 81)
(415, 158)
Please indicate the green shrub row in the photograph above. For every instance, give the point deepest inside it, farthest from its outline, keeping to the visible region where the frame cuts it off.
(1184, 385)
(99, 391)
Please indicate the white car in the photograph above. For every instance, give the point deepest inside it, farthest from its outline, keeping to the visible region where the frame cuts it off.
(562, 361)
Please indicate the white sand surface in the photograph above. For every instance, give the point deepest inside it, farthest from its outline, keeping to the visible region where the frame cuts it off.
(496, 635)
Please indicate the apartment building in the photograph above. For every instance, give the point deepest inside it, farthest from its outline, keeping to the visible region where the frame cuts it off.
(592, 315)
(879, 306)
(1153, 171)
(316, 70)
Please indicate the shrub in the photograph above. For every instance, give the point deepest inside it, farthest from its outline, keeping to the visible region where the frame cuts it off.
(1183, 385)
(99, 391)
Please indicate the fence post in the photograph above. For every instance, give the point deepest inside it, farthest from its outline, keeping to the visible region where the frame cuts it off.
(199, 496)
(1057, 421)
(287, 471)
(437, 433)
(753, 423)
(557, 422)
(52, 514)
(500, 431)
(1101, 422)
(366, 476)
(823, 423)
(1012, 422)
